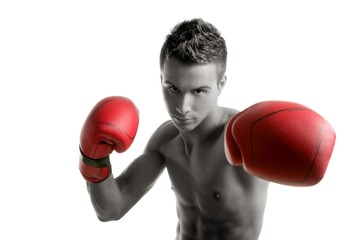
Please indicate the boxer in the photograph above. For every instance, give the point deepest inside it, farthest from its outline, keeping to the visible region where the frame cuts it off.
(220, 160)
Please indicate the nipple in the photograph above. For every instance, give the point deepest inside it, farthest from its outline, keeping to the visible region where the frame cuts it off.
(217, 195)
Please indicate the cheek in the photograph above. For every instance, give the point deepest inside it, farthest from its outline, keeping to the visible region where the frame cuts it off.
(168, 100)
(205, 105)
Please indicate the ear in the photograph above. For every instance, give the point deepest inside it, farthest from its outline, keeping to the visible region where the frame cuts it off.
(222, 83)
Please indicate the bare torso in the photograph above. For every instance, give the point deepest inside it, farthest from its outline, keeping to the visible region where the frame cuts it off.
(214, 199)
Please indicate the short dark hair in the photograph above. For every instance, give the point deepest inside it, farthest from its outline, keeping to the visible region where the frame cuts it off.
(195, 41)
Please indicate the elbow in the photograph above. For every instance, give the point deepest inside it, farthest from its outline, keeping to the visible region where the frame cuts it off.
(102, 219)
(109, 217)
(106, 219)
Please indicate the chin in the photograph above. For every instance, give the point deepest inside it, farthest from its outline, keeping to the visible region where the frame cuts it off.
(185, 127)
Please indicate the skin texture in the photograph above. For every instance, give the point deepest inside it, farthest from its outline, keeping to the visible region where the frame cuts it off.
(215, 200)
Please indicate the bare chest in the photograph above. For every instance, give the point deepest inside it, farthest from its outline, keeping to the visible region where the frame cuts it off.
(204, 181)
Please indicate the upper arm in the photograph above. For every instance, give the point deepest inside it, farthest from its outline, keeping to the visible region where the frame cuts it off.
(114, 197)
(142, 173)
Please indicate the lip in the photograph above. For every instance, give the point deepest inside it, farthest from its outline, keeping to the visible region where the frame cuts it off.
(182, 119)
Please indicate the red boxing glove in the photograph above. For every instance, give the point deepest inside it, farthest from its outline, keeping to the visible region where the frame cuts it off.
(111, 125)
(282, 142)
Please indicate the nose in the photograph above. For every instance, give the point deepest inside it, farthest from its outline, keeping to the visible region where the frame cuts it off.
(184, 105)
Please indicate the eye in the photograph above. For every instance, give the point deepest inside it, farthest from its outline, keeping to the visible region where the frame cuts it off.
(173, 89)
(199, 91)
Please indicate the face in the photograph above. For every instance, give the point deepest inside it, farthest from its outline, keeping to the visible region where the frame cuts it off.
(190, 92)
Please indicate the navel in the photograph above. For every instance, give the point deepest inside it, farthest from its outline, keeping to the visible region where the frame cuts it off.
(217, 195)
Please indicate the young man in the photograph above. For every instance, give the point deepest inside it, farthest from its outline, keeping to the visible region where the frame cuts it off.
(215, 200)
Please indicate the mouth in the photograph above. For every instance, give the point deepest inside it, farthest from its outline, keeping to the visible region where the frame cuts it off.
(181, 119)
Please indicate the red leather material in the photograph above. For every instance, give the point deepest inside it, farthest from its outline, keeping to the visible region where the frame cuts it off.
(282, 142)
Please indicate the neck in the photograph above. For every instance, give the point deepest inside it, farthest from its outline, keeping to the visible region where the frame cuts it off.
(204, 131)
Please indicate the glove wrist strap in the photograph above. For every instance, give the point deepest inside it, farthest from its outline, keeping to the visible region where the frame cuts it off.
(94, 170)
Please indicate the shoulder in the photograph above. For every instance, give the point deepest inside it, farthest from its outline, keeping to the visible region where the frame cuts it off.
(229, 113)
(166, 130)
(163, 134)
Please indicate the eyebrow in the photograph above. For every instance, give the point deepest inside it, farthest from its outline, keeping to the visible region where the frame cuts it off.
(201, 87)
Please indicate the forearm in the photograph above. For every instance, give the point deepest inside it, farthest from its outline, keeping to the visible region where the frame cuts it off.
(106, 199)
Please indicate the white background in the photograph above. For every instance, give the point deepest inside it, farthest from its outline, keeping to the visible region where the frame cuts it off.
(58, 58)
